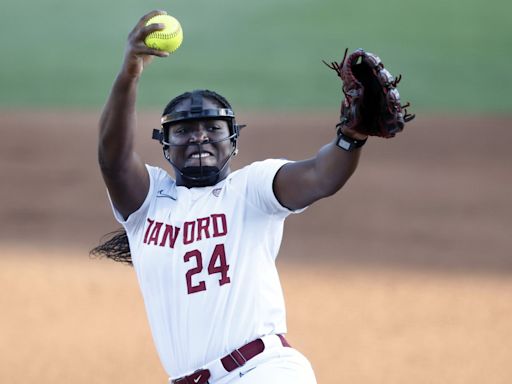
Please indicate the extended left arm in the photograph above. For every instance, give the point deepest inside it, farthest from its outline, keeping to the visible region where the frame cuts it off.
(301, 183)
(371, 107)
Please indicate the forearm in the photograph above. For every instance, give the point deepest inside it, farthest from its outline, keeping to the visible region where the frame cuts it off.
(118, 124)
(332, 167)
(299, 184)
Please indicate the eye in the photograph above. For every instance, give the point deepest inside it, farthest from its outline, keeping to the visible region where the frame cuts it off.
(179, 130)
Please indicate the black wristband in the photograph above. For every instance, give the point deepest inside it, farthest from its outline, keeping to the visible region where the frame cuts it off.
(348, 143)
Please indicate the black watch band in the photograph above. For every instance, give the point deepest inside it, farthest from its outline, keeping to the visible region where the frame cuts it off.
(348, 143)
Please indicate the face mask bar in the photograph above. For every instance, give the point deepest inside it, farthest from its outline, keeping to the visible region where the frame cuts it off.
(197, 113)
(203, 176)
(200, 176)
(162, 135)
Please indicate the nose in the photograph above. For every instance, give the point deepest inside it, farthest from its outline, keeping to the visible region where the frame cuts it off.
(199, 135)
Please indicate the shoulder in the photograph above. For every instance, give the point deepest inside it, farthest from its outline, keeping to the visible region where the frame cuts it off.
(159, 176)
(161, 183)
(157, 172)
(260, 168)
(255, 183)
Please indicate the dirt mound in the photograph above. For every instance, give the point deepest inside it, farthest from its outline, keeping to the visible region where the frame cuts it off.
(363, 303)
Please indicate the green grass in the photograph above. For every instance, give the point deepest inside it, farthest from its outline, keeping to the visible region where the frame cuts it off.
(454, 55)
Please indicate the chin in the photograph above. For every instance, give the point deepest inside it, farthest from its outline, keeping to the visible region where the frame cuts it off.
(201, 176)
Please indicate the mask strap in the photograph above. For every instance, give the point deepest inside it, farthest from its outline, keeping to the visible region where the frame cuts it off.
(196, 102)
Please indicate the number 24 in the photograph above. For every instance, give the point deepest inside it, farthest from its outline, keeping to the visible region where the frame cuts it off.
(219, 254)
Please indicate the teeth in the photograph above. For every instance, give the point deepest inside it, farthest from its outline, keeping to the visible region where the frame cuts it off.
(197, 155)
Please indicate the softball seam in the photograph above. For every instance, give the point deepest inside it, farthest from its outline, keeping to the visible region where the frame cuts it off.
(161, 35)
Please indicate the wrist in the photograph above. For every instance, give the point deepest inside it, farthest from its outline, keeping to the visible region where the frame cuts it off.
(351, 133)
(132, 68)
(127, 78)
(350, 141)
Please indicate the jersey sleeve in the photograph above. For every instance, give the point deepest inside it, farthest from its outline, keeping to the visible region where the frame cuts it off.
(138, 218)
(260, 191)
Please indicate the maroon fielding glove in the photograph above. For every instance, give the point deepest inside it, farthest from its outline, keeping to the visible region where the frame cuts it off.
(372, 103)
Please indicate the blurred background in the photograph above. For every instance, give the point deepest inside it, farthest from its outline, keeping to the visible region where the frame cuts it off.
(404, 275)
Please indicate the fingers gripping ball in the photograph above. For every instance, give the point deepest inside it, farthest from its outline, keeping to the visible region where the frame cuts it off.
(168, 39)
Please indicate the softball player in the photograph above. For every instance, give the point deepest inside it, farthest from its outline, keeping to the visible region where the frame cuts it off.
(204, 243)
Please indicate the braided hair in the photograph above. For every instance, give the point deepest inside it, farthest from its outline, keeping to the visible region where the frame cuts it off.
(114, 245)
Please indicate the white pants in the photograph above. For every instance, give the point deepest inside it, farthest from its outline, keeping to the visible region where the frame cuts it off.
(276, 364)
(281, 365)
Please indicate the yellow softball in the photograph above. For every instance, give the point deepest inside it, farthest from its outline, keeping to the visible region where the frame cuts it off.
(168, 39)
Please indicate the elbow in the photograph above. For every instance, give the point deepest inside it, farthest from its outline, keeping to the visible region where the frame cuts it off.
(107, 167)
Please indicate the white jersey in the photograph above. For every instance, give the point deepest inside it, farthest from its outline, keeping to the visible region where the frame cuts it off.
(205, 262)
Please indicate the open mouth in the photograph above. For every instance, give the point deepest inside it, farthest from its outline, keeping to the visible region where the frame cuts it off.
(199, 155)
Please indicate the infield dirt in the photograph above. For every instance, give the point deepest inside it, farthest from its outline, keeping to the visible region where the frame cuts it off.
(404, 276)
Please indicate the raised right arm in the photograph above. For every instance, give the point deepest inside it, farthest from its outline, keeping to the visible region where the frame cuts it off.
(124, 173)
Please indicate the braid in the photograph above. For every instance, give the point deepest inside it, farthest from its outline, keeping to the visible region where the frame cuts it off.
(174, 102)
(221, 99)
(115, 245)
